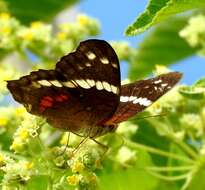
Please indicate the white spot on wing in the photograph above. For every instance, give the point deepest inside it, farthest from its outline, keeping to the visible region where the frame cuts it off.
(99, 85)
(68, 84)
(163, 85)
(106, 86)
(90, 82)
(114, 89)
(142, 101)
(114, 65)
(157, 81)
(124, 98)
(87, 64)
(55, 83)
(82, 83)
(104, 60)
(132, 98)
(91, 55)
(44, 83)
(80, 67)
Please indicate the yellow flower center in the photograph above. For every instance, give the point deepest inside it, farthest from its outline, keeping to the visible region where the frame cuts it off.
(20, 111)
(1, 159)
(3, 121)
(5, 30)
(73, 180)
(23, 134)
(61, 36)
(36, 25)
(29, 165)
(28, 36)
(5, 16)
(77, 167)
(82, 20)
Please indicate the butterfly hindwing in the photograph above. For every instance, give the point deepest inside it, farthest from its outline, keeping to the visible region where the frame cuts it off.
(137, 96)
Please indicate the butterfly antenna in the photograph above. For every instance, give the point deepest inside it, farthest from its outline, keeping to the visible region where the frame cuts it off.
(150, 116)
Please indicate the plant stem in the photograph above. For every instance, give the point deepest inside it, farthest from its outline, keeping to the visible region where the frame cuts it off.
(135, 145)
(169, 178)
(170, 134)
(174, 168)
(185, 148)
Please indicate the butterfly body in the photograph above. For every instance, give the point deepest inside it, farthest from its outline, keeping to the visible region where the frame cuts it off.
(83, 93)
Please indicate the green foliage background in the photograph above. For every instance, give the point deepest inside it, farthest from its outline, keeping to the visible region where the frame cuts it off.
(166, 152)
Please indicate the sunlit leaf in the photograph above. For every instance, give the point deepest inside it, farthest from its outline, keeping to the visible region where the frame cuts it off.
(200, 83)
(159, 10)
(191, 92)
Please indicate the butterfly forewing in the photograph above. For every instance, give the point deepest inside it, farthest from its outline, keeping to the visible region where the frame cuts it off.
(82, 91)
(137, 96)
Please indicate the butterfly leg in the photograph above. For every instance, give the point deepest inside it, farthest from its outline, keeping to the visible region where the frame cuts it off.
(78, 146)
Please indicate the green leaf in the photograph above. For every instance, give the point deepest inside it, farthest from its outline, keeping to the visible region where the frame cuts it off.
(39, 182)
(163, 46)
(32, 10)
(192, 92)
(200, 83)
(159, 10)
(132, 178)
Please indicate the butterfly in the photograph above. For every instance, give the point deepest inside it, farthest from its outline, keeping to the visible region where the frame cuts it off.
(84, 95)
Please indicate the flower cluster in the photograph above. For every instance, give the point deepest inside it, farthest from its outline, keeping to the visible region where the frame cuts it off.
(36, 37)
(82, 162)
(70, 34)
(16, 172)
(25, 132)
(10, 118)
(37, 31)
(6, 73)
(123, 50)
(9, 26)
(194, 32)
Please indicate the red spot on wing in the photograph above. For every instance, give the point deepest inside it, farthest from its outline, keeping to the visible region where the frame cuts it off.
(46, 102)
